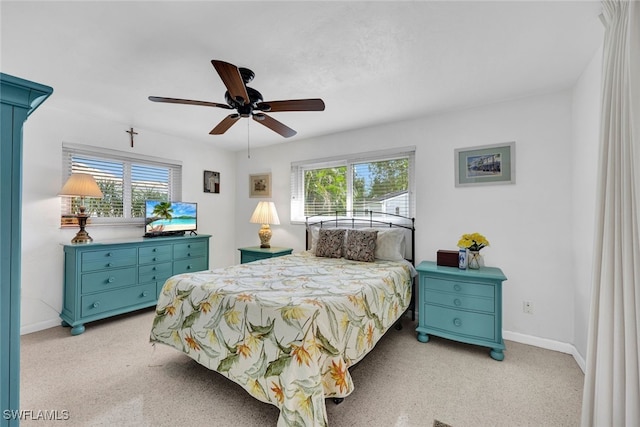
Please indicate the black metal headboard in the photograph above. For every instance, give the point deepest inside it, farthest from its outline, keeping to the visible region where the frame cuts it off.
(364, 218)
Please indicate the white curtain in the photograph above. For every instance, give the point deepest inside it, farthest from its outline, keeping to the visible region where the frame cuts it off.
(612, 381)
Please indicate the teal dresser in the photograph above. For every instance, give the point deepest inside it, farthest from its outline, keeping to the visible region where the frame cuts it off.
(256, 253)
(461, 305)
(108, 278)
(19, 98)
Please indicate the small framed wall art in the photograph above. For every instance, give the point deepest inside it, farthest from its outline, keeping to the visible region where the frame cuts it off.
(486, 165)
(260, 185)
(211, 182)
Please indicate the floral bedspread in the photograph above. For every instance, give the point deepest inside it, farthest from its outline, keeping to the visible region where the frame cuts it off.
(287, 328)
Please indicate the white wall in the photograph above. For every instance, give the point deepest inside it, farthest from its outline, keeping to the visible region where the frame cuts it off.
(42, 237)
(529, 223)
(585, 149)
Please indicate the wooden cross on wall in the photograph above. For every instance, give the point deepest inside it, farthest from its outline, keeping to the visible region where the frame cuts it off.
(131, 132)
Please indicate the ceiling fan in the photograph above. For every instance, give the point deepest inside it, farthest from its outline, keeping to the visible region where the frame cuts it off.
(247, 101)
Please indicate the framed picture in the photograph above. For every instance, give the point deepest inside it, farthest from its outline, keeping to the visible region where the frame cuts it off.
(211, 182)
(486, 165)
(260, 185)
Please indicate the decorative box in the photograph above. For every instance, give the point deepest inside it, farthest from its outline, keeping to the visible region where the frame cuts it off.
(447, 258)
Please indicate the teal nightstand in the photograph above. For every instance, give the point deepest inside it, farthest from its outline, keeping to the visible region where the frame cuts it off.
(256, 253)
(461, 305)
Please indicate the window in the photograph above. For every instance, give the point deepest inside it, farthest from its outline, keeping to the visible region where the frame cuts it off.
(126, 181)
(379, 182)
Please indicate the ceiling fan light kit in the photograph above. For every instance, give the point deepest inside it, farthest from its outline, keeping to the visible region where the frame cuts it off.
(247, 101)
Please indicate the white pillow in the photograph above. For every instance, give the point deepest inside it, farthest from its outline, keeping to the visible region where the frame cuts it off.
(315, 235)
(390, 243)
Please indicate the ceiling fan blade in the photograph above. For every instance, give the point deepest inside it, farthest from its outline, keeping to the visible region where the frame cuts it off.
(225, 124)
(188, 102)
(314, 104)
(274, 125)
(232, 79)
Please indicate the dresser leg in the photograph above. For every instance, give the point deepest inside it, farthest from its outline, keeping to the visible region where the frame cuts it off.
(422, 337)
(497, 354)
(77, 330)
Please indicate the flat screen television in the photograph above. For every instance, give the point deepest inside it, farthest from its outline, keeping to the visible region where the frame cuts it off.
(169, 218)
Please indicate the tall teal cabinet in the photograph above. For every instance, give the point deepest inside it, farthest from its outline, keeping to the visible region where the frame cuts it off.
(18, 99)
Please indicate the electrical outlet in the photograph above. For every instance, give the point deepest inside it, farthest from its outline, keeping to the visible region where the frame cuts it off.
(527, 307)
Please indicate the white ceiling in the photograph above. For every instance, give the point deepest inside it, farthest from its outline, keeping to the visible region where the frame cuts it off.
(371, 62)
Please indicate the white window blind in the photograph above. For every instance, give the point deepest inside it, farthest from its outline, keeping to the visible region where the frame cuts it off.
(126, 181)
(379, 181)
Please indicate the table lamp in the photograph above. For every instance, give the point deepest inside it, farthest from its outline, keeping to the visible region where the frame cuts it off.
(265, 214)
(81, 185)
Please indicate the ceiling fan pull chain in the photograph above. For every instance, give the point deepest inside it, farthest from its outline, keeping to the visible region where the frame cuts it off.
(248, 143)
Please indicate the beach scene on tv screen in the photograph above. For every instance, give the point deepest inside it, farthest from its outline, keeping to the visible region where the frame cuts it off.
(170, 216)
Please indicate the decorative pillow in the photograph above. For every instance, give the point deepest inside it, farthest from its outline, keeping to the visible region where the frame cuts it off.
(330, 242)
(361, 245)
(390, 244)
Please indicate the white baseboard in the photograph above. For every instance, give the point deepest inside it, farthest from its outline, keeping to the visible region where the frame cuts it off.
(39, 326)
(546, 343)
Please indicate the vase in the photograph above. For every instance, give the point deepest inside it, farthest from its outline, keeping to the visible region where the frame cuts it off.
(474, 260)
(462, 259)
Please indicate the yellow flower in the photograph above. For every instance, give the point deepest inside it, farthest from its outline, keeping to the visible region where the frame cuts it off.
(244, 350)
(232, 317)
(205, 306)
(370, 335)
(171, 310)
(339, 375)
(473, 241)
(291, 313)
(278, 392)
(245, 297)
(301, 354)
(192, 343)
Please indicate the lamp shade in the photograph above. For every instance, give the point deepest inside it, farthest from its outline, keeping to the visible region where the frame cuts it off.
(81, 184)
(265, 213)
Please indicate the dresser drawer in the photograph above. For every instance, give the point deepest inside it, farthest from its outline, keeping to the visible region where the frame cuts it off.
(247, 257)
(117, 299)
(189, 250)
(460, 322)
(153, 254)
(460, 301)
(189, 265)
(154, 272)
(463, 288)
(98, 260)
(108, 279)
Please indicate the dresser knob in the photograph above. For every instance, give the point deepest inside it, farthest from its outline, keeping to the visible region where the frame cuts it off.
(189, 254)
(108, 253)
(458, 288)
(188, 267)
(154, 269)
(457, 322)
(155, 250)
(109, 264)
(96, 304)
(457, 302)
(155, 259)
(153, 278)
(111, 279)
(145, 293)
(188, 246)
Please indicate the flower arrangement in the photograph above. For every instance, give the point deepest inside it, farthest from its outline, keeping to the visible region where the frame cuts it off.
(473, 242)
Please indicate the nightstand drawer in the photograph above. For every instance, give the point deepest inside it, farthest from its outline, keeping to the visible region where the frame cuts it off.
(460, 322)
(248, 257)
(154, 254)
(98, 260)
(117, 299)
(460, 301)
(189, 265)
(154, 272)
(463, 288)
(108, 279)
(189, 250)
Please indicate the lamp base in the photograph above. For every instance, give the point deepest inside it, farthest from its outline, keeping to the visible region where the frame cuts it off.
(82, 237)
(265, 236)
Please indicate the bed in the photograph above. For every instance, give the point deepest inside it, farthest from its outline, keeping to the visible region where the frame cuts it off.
(288, 329)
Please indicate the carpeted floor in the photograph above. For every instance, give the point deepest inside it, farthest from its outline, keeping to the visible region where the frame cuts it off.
(111, 375)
